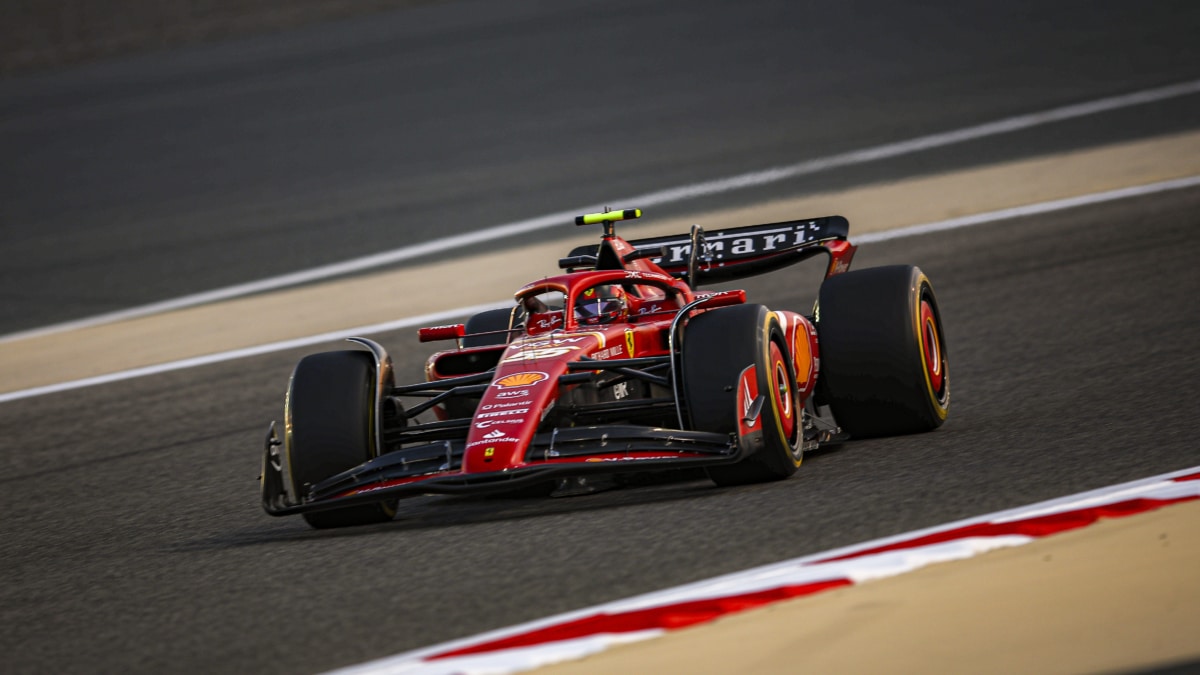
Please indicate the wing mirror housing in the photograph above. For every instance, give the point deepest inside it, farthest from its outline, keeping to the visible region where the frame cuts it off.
(448, 332)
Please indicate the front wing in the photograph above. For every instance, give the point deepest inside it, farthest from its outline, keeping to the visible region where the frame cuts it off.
(435, 468)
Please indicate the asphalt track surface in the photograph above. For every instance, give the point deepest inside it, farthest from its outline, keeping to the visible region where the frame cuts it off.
(154, 176)
(133, 540)
(132, 537)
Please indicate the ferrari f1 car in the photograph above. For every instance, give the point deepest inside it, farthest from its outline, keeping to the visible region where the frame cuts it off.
(617, 366)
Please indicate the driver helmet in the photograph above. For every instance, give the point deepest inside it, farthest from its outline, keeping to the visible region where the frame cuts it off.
(600, 304)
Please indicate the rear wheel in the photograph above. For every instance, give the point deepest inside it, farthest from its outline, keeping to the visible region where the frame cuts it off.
(331, 421)
(717, 346)
(884, 369)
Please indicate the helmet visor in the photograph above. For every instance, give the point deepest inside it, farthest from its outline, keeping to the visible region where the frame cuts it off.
(597, 308)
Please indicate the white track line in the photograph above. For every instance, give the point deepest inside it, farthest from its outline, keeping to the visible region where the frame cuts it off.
(1031, 209)
(678, 194)
(432, 319)
(407, 322)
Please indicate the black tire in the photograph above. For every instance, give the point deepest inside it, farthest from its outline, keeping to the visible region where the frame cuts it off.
(331, 413)
(717, 345)
(486, 322)
(884, 367)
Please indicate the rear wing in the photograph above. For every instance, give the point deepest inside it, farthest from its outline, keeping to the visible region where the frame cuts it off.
(737, 252)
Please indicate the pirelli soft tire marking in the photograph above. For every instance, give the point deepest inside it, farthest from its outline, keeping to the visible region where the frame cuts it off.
(782, 394)
(933, 354)
(781, 388)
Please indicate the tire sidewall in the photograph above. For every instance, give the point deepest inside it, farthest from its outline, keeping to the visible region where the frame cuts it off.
(875, 370)
(329, 415)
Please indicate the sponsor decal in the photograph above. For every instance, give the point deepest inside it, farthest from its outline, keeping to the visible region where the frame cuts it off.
(503, 404)
(501, 413)
(549, 321)
(551, 341)
(489, 439)
(512, 394)
(527, 354)
(620, 390)
(487, 424)
(745, 243)
(521, 379)
(610, 353)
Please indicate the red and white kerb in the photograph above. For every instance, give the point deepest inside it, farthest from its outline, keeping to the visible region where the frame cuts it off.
(588, 631)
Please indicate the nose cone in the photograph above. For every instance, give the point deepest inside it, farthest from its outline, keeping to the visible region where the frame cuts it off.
(525, 386)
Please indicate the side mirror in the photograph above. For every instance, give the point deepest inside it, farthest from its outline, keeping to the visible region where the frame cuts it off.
(576, 261)
(643, 253)
(449, 332)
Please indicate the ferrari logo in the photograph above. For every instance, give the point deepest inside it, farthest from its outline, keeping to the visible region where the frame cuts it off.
(629, 343)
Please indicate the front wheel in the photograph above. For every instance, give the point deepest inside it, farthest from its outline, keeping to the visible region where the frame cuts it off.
(884, 366)
(718, 346)
(330, 421)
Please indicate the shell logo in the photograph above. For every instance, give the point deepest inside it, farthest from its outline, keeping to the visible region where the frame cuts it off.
(521, 379)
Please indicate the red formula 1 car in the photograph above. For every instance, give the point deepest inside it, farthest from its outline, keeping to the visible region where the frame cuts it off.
(620, 365)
